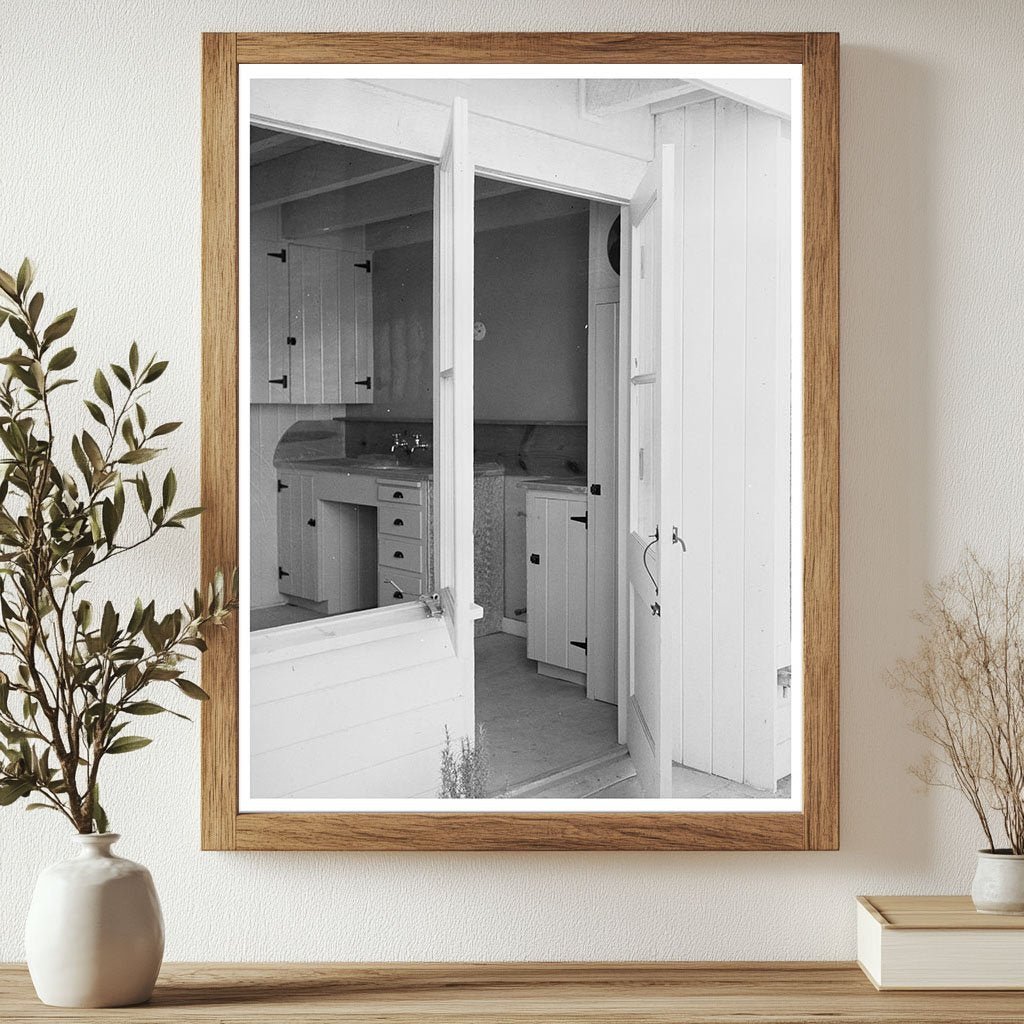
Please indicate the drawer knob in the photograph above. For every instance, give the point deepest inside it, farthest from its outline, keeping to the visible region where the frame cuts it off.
(398, 595)
(398, 554)
(398, 494)
(399, 522)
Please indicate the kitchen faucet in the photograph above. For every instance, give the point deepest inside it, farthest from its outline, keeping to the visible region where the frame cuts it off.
(411, 446)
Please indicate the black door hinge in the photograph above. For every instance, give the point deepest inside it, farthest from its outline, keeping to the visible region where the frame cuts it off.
(283, 381)
(367, 266)
(581, 644)
(579, 519)
(281, 486)
(595, 489)
(281, 573)
(534, 559)
(366, 382)
(291, 341)
(282, 255)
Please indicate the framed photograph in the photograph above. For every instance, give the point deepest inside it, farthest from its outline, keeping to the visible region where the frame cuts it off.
(520, 419)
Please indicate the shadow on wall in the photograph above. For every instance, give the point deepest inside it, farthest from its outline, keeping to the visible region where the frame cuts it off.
(887, 466)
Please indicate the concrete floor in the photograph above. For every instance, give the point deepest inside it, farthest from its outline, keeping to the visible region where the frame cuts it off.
(535, 727)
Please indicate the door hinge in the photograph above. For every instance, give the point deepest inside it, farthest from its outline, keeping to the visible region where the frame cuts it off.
(291, 341)
(281, 573)
(534, 559)
(311, 522)
(283, 381)
(281, 486)
(366, 382)
(282, 255)
(367, 266)
(595, 489)
(579, 519)
(581, 644)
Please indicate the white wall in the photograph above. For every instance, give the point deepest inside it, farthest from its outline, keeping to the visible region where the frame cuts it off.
(103, 189)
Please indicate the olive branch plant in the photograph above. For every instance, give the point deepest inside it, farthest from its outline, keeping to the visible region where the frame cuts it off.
(79, 673)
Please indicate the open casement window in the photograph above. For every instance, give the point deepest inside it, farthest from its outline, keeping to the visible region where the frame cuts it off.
(453, 388)
(653, 620)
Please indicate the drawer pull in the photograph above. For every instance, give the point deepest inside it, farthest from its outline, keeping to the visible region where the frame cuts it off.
(399, 522)
(398, 494)
(399, 554)
(398, 595)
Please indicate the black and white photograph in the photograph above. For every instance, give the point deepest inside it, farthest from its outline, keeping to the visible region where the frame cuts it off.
(519, 380)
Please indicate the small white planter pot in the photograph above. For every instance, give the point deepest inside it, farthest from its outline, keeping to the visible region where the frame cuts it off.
(95, 933)
(999, 883)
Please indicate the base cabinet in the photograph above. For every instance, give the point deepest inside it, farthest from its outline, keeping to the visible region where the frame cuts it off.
(556, 582)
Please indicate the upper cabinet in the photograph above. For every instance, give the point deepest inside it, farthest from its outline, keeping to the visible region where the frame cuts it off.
(311, 325)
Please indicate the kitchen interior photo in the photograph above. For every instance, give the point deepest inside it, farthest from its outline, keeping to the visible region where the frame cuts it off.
(342, 516)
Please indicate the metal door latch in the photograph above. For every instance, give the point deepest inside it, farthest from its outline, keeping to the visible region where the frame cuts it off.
(432, 602)
(656, 609)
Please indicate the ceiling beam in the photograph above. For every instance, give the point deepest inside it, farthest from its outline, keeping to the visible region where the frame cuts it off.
(601, 97)
(320, 168)
(372, 201)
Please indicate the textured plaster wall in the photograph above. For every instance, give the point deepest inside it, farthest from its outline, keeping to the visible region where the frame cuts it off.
(100, 182)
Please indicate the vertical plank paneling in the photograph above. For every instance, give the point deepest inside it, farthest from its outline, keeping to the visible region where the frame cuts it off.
(697, 389)
(728, 426)
(556, 577)
(576, 576)
(219, 428)
(760, 512)
(309, 554)
(360, 325)
(536, 603)
(332, 319)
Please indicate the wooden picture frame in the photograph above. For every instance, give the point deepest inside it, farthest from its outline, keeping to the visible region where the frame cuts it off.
(816, 826)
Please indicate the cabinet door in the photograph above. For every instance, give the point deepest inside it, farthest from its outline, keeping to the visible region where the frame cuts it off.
(268, 322)
(297, 552)
(556, 581)
(331, 322)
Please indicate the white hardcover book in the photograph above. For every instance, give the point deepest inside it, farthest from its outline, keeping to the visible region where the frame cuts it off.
(938, 942)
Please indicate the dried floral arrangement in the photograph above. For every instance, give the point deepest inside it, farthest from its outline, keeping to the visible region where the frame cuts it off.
(81, 672)
(966, 683)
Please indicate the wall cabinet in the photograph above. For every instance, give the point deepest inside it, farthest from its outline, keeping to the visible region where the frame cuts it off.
(556, 581)
(311, 325)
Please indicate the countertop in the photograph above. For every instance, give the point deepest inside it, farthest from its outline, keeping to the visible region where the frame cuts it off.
(461, 993)
(381, 467)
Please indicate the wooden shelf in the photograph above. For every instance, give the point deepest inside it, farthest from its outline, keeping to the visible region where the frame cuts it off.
(782, 993)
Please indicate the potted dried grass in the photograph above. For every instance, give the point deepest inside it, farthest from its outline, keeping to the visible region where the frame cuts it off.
(966, 683)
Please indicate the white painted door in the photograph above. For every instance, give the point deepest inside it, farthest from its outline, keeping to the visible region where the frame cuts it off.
(653, 567)
(453, 391)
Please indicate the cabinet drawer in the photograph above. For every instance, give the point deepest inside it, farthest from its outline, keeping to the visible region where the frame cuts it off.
(405, 494)
(394, 587)
(402, 554)
(399, 521)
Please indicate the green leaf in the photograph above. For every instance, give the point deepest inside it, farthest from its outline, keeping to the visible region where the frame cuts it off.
(99, 816)
(165, 428)
(121, 374)
(191, 690)
(14, 790)
(20, 328)
(41, 807)
(139, 455)
(185, 513)
(170, 488)
(35, 308)
(26, 274)
(95, 412)
(145, 498)
(155, 371)
(92, 449)
(60, 326)
(63, 359)
(102, 388)
(126, 744)
(7, 283)
(128, 433)
(133, 358)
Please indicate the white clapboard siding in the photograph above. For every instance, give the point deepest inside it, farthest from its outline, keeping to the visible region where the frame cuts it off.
(556, 587)
(268, 320)
(350, 708)
(735, 435)
(289, 538)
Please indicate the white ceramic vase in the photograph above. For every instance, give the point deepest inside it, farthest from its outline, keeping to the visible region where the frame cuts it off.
(95, 933)
(999, 883)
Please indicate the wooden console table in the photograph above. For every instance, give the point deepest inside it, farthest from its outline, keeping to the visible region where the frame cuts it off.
(786, 993)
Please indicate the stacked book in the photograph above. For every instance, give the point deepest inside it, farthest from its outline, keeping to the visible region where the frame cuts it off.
(938, 942)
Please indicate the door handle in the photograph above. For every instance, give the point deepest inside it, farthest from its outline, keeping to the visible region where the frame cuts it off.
(398, 554)
(398, 494)
(399, 522)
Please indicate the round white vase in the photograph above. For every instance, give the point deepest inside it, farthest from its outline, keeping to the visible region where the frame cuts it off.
(999, 883)
(95, 933)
